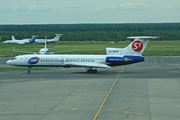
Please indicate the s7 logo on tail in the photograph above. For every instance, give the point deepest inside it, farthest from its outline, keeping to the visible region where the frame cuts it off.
(137, 46)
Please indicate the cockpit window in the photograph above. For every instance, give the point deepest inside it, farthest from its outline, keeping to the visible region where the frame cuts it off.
(14, 58)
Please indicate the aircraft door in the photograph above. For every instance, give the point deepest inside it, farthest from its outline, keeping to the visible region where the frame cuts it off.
(60, 61)
(25, 60)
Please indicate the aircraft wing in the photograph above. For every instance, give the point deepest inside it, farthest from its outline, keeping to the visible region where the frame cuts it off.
(93, 65)
(64, 51)
(22, 51)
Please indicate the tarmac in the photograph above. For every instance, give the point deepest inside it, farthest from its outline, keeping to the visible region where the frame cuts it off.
(149, 90)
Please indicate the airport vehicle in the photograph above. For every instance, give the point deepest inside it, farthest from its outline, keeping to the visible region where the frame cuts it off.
(43, 51)
(115, 57)
(49, 40)
(23, 41)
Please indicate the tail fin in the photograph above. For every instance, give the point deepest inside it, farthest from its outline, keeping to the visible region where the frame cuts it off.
(32, 40)
(136, 47)
(57, 37)
(13, 38)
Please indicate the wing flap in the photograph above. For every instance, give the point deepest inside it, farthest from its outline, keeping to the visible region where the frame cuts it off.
(93, 65)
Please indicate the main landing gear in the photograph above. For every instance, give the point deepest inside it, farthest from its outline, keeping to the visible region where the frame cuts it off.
(29, 70)
(90, 70)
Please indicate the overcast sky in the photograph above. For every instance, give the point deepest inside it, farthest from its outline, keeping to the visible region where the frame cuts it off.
(88, 11)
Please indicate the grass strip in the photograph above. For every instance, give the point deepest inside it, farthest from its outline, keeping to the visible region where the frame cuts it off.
(153, 48)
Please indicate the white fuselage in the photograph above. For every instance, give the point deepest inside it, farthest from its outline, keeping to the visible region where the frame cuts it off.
(49, 40)
(17, 41)
(93, 61)
(45, 40)
(55, 60)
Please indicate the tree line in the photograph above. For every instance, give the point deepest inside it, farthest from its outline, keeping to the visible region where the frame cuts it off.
(92, 32)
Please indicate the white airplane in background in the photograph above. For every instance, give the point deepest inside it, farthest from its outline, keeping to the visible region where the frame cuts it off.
(115, 57)
(44, 51)
(23, 41)
(49, 40)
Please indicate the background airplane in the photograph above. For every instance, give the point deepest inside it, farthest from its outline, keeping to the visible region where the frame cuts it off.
(44, 50)
(23, 41)
(49, 40)
(115, 57)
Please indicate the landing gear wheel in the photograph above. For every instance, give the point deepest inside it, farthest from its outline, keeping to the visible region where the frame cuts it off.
(88, 71)
(28, 71)
(91, 71)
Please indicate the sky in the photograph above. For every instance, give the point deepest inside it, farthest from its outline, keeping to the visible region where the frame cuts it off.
(88, 11)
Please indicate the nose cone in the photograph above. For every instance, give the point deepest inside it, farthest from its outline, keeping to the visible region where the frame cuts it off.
(8, 62)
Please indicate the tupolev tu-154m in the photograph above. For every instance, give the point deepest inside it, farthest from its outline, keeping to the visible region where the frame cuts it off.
(115, 57)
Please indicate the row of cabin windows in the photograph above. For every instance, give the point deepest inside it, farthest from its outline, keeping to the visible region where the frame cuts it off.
(84, 59)
(72, 58)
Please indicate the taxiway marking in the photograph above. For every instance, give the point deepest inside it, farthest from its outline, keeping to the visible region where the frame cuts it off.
(155, 62)
(107, 95)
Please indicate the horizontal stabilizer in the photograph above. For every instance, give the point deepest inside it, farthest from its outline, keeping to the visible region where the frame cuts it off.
(145, 37)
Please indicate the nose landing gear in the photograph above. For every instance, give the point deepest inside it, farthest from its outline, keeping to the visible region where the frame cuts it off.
(29, 70)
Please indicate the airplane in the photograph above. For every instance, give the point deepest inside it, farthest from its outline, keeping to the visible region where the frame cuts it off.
(115, 57)
(44, 51)
(23, 41)
(49, 40)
